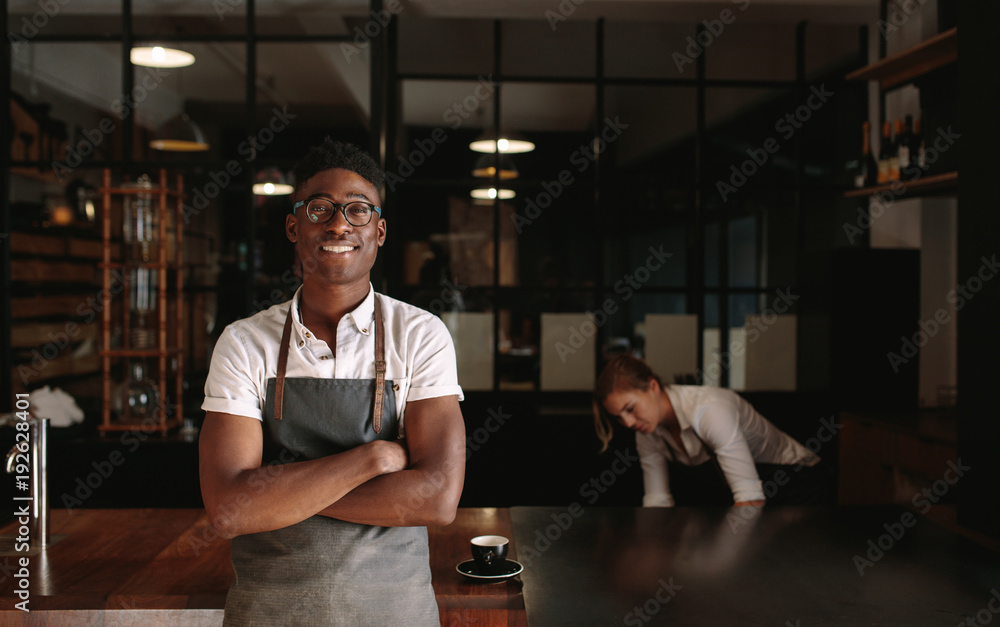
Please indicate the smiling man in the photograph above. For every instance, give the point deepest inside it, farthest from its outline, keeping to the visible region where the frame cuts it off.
(303, 459)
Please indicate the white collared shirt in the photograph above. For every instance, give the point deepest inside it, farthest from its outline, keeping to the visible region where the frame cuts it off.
(419, 355)
(715, 420)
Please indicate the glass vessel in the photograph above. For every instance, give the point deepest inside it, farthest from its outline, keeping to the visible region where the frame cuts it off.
(141, 227)
(136, 397)
(141, 230)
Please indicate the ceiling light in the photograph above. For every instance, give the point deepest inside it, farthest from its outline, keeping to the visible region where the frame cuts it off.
(508, 143)
(486, 167)
(271, 182)
(491, 193)
(180, 134)
(158, 56)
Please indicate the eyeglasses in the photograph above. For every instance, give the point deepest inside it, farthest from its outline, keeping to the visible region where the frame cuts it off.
(321, 210)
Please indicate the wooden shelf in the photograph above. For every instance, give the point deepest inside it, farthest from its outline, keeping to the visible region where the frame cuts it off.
(169, 260)
(139, 352)
(143, 265)
(144, 425)
(907, 65)
(135, 191)
(924, 186)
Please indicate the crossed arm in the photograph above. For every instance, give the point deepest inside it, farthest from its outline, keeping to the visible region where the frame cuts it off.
(418, 482)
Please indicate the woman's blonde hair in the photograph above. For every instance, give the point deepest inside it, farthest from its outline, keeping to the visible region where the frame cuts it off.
(623, 371)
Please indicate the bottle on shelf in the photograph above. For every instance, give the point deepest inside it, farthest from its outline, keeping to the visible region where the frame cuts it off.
(903, 143)
(918, 153)
(894, 159)
(866, 172)
(885, 153)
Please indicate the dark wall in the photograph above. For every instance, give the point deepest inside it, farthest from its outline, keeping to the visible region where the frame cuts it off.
(978, 242)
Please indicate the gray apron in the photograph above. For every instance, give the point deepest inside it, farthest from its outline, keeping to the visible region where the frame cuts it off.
(324, 571)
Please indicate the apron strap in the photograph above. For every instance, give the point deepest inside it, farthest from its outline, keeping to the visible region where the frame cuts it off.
(379, 367)
(286, 334)
(279, 384)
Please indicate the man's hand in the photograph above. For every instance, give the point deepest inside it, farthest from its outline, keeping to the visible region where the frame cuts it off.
(427, 491)
(242, 497)
(392, 455)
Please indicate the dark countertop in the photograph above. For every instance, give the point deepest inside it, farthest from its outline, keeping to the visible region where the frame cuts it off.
(778, 566)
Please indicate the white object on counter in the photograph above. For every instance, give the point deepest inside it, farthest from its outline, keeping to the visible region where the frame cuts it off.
(56, 405)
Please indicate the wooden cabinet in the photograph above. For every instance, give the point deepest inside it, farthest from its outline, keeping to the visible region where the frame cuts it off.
(893, 458)
(141, 341)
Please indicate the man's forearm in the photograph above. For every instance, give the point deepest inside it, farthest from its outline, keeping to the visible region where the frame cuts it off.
(412, 497)
(273, 497)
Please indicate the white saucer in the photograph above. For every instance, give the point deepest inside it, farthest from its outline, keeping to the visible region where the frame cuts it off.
(471, 570)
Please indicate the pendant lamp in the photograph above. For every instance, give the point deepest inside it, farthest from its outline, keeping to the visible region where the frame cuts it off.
(180, 134)
(158, 56)
(486, 167)
(271, 182)
(507, 143)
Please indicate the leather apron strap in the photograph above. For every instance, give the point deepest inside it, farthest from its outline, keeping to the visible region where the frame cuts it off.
(286, 335)
(379, 367)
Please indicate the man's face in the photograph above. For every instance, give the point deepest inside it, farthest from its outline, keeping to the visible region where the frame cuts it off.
(321, 247)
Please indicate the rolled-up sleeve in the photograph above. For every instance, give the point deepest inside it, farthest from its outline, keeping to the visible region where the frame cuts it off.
(231, 387)
(717, 425)
(434, 371)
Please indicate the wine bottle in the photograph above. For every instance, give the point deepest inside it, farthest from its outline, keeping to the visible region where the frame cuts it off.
(885, 153)
(894, 159)
(866, 173)
(905, 140)
(918, 153)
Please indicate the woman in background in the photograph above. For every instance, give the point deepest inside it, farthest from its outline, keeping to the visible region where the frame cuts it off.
(694, 425)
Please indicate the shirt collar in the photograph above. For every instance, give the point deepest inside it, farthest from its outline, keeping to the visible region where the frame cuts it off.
(362, 316)
(682, 419)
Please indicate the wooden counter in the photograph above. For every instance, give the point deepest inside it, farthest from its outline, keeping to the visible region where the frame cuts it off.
(167, 567)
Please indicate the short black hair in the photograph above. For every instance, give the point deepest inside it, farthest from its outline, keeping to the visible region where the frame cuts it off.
(337, 154)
